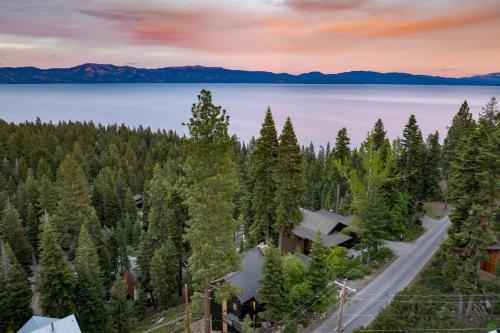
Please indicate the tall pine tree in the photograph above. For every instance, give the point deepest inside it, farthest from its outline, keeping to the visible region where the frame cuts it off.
(289, 178)
(11, 230)
(56, 280)
(211, 186)
(89, 292)
(264, 159)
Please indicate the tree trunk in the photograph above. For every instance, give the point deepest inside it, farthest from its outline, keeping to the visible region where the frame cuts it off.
(337, 203)
(460, 304)
(469, 306)
(206, 307)
(280, 242)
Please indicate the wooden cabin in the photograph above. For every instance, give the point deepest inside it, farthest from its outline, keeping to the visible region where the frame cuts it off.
(228, 316)
(328, 223)
(492, 264)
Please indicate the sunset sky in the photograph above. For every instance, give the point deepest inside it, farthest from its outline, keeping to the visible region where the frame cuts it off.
(439, 37)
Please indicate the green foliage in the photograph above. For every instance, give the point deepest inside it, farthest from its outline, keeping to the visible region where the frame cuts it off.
(120, 308)
(337, 262)
(272, 287)
(318, 267)
(164, 272)
(294, 270)
(211, 186)
(140, 303)
(262, 169)
(56, 280)
(89, 292)
(73, 202)
(12, 232)
(15, 291)
(289, 178)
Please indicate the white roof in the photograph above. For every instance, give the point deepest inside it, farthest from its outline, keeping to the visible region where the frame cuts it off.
(36, 322)
(66, 325)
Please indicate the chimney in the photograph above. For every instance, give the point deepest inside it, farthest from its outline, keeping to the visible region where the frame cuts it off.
(52, 329)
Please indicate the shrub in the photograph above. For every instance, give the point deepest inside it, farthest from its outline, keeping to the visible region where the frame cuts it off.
(355, 273)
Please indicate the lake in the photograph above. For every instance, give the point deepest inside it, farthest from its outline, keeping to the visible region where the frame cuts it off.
(317, 111)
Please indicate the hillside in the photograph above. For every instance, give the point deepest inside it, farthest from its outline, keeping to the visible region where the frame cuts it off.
(99, 73)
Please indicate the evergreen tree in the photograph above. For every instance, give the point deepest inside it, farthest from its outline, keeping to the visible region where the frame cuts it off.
(47, 197)
(289, 178)
(272, 287)
(490, 117)
(340, 156)
(15, 308)
(160, 213)
(73, 202)
(140, 302)
(130, 208)
(101, 245)
(264, 159)
(431, 175)
(379, 134)
(373, 219)
(212, 185)
(318, 268)
(56, 280)
(411, 159)
(165, 274)
(461, 124)
(89, 292)
(12, 232)
(120, 308)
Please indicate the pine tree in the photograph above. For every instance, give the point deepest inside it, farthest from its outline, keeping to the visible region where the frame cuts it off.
(289, 178)
(372, 226)
(101, 245)
(340, 158)
(264, 159)
(89, 292)
(56, 279)
(379, 134)
(411, 159)
(212, 184)
(130, 208)
(47, 197)
(431, 175)
(461, 124)
(165, 274)
(120, 308)
(73, 202)
(140, 302)
(12, 232)
(272, 287)
(16, 308)
(160, 213)
(318, 268)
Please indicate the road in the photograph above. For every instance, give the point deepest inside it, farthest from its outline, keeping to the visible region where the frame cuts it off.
(412, 258)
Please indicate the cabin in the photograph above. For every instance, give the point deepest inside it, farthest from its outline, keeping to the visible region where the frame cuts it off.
(491, 265)
(328, 223)
(228, 316)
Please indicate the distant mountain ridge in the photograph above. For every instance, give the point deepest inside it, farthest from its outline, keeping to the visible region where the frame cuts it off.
(101, 73)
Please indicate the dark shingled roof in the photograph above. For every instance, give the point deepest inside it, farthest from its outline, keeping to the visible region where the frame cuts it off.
(247, 278)
(324, 221)
(495, 246)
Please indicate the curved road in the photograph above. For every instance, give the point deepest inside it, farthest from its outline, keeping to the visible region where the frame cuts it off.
(412, 258)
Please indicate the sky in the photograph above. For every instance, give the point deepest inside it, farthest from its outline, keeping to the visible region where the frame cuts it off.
(438, 37)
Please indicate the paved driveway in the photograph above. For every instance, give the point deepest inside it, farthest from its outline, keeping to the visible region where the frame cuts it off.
(412, 258)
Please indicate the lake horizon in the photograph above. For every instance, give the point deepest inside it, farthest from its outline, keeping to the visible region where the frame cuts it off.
(317, 111)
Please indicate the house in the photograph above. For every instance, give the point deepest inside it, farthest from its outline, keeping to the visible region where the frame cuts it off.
(227, 317)
(328, 223)
(51, 325)
(492, 264)
(138, 200)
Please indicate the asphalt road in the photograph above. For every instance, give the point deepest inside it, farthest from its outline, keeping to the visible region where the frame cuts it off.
(412, 257)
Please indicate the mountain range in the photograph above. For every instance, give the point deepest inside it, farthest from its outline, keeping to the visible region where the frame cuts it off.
(100, 73)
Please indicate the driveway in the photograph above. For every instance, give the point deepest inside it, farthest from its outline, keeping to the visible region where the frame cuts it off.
(412, 258)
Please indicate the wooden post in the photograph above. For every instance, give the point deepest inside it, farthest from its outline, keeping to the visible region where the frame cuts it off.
(186, 301)
(341, 312)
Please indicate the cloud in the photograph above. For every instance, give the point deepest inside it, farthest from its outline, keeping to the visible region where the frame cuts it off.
(323, 5)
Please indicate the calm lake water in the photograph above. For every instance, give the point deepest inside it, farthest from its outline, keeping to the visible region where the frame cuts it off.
(317, 111)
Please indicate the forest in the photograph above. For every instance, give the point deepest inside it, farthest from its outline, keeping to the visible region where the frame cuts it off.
(82, 204)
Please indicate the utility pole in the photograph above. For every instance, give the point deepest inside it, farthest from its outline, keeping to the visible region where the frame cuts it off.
(342, 298)
(186, 301)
